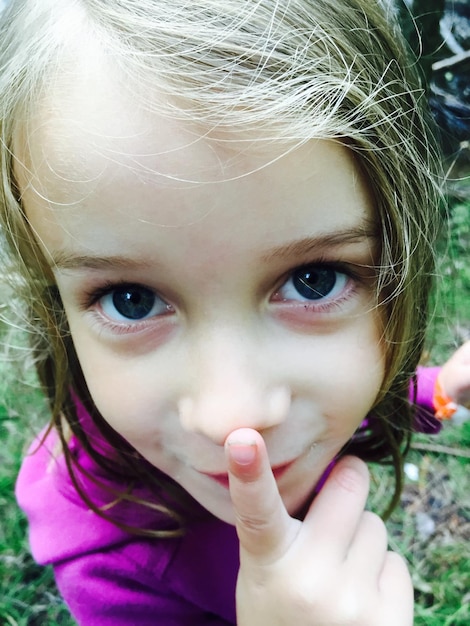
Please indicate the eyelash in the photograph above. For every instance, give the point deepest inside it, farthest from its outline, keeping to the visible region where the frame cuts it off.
(354, 280)
(91, 298)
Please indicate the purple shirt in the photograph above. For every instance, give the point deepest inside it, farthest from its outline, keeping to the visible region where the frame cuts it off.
(111, 578)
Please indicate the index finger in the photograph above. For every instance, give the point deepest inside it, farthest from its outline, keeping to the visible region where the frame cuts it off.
(263, 524)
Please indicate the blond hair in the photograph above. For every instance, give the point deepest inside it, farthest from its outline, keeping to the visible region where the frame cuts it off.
(288, 70)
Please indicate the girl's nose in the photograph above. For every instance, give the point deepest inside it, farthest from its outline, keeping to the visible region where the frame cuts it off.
(229, 391)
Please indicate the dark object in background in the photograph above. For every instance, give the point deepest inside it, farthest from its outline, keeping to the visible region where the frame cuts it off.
(449, 89)
(455, 25)
(449, 98)
(438, 31)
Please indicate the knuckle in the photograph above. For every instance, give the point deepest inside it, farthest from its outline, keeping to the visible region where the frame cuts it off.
(307, 600)
(351, 476)
(374, 523)
(397, 562)
(252, 522)
(350, 608)
(317, 595)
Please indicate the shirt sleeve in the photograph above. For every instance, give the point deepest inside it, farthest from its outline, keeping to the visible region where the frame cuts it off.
(421, 395)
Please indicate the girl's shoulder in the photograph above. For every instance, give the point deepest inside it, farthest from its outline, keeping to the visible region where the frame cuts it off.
(60, 524)
(91, 553)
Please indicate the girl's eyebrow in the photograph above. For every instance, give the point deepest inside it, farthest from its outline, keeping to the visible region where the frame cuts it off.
(66, 260)
(320, 243)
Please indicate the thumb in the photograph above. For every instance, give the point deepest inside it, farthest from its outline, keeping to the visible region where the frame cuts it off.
(263, 524)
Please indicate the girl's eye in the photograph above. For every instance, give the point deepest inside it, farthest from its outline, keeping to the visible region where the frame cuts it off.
(317, 282)
(132, 303)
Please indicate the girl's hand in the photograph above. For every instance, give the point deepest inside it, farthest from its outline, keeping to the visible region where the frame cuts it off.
(455, 376)
(332, 569)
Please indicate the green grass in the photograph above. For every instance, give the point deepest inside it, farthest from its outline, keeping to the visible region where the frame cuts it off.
(441, 496)
(439, 562)
(450, 325)
(431, 528)
(27, 592)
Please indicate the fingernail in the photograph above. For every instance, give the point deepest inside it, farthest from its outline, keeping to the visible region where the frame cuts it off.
(242, 453)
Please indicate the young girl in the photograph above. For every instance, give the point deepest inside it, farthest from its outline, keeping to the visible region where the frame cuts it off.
(222, 215)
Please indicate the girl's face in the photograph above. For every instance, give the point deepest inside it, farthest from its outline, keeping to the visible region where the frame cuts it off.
(209, 285)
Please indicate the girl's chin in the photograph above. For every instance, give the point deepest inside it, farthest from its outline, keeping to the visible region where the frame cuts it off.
(297, 506)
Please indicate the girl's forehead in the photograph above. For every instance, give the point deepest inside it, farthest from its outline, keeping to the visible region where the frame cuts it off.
(92, 140)
(90, 130)
(105, 175)
(95, 127)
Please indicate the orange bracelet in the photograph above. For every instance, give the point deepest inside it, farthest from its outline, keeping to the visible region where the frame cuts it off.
(444, 406)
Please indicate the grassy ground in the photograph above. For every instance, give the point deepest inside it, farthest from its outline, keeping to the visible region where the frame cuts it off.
(27, 593)
(431, 528)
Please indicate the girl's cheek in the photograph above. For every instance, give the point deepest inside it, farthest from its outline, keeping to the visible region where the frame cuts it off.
(296, 317)
(305, 319)
(130, 339)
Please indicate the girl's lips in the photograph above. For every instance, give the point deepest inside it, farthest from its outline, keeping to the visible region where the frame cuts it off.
(222, 479)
